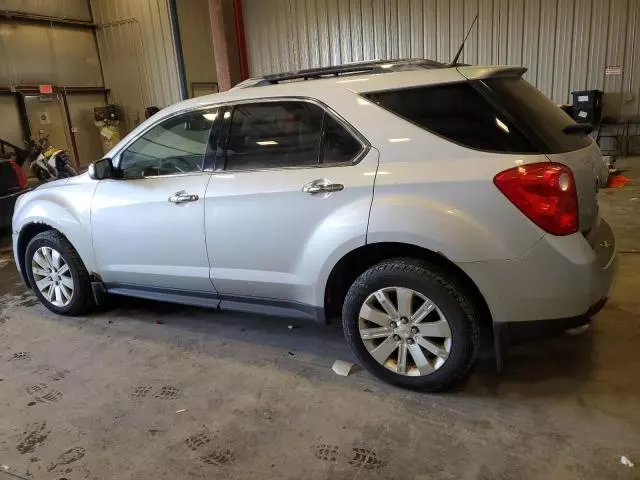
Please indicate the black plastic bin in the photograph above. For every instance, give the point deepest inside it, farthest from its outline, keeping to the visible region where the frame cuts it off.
(587, 106)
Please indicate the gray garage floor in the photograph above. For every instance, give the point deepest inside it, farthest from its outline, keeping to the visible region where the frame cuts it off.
(155, 391)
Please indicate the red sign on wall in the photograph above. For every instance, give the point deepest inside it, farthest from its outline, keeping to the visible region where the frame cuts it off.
(46, 89)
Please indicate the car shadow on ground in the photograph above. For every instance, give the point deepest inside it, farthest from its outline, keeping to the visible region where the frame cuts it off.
(545, 367)
(541, 368)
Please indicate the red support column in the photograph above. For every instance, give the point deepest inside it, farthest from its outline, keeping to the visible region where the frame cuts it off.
(220, 49)
(242, 43)
(229, 48)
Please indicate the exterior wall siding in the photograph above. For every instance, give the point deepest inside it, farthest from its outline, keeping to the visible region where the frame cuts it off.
(138, 54)
(32, 54)
(565, 44)
(69, 9)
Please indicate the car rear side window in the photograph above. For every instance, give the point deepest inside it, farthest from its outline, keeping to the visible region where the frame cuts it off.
(274, 135)
(175, 146)
(338, 145)
(286, 134)
(537, 113)
(458, 112)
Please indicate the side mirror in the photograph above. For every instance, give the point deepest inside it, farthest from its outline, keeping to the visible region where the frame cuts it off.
(101, 169)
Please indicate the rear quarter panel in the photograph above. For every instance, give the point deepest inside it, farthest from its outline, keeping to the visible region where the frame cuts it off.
(438, 195)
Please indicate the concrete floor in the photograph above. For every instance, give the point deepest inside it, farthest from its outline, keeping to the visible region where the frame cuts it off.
(156, 391)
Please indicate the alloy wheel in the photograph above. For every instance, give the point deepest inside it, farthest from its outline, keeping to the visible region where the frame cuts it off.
(404, 331)
(52, 276)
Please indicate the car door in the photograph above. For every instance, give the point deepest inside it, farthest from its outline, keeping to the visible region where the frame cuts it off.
(293, 183)
(148, 224)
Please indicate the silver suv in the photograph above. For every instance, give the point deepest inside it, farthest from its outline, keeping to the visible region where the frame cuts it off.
(419, 202)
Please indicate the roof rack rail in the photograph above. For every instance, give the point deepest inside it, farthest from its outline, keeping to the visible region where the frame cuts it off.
(367, 67)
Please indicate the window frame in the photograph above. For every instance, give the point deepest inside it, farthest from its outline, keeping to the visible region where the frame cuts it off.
(207, 161)
(220, 164)
(484, 92)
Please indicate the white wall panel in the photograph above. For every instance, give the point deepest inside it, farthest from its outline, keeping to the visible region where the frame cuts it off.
(138, 54)
(69, 9)
(565, 44)
(34, 53)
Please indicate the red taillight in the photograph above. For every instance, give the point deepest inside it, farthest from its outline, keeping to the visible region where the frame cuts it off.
(545, 193)
(22, 178)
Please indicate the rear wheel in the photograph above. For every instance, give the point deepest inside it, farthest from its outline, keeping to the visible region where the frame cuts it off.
(57, 275)
(411, 324)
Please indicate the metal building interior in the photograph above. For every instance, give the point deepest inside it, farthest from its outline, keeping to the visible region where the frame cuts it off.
(145, 389)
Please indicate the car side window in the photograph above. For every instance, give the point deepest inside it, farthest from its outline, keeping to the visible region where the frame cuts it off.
(286, 134)
(338, 144)
(459, 113)
(175, 146)
(274, 135)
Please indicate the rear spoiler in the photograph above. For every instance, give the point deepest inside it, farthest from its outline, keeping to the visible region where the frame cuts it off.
(478, 73)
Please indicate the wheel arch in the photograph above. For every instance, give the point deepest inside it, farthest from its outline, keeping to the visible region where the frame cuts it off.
(357, 261)
(27, 232)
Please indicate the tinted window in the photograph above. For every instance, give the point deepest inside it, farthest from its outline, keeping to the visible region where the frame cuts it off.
(457, 112)
(338, 145)
(274, 134)
(544, 119)
(172, 147)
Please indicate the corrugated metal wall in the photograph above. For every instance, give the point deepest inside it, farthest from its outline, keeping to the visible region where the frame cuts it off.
(138, 54)
(35, 53)
(70, 9)
(566, 44)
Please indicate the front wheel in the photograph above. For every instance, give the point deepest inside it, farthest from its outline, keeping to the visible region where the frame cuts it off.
(57, 275)
(411, 324)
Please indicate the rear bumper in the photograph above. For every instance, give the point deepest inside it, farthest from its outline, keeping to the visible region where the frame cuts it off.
(509, 333)
(560, 278)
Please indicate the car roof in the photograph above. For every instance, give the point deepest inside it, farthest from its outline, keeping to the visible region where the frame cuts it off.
(359, 78)
(323, 84)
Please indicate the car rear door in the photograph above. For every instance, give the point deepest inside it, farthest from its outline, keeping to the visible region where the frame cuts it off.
(292, 182)
(148, 225)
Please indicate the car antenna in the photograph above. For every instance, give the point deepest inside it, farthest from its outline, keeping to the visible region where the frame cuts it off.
(454, 62)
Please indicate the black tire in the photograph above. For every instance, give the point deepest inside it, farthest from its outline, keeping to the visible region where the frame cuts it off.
(443, 290)
(82, 298)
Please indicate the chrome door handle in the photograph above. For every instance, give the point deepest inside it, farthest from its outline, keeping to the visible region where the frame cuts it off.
(182, 197)
(321, 187)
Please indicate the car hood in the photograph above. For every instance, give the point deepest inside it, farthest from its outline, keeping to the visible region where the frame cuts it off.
(83, 178)
(54, 183)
